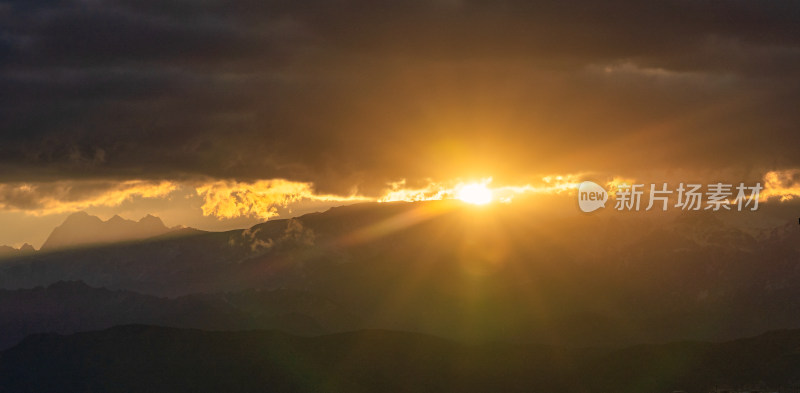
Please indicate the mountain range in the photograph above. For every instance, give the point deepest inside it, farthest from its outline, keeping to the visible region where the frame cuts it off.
(472, 275)
(81, 229)
(70, 306)
(8, 251)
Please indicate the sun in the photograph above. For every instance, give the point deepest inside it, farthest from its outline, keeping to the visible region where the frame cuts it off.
(476, 194)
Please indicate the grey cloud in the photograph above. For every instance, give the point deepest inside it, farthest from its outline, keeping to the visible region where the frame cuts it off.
(358, 93)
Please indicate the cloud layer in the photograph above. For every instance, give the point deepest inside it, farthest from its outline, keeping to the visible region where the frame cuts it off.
(259, 199)
(351, 95)
(69, 196)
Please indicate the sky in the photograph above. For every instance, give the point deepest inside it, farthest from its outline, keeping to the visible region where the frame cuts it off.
(219, 115)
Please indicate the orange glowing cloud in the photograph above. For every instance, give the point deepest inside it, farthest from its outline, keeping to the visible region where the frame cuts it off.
(399, 192)
(261, 199)
(45, 198)
(552, 184)
(784, 184)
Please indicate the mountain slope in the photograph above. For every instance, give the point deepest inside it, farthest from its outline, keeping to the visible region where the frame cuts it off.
(154, 359)
(68, 307)
(475, 274)
(82, 229)
(11, 252)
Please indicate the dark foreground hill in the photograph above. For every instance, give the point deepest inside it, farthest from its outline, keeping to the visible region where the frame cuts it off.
(153, 359)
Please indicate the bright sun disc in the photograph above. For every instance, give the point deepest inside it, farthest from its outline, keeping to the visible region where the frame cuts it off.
(476, 194)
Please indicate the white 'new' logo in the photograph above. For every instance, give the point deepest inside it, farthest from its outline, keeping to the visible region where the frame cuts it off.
(591, 196)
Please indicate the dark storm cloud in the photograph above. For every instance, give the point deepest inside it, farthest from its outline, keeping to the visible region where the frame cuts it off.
(349, 93)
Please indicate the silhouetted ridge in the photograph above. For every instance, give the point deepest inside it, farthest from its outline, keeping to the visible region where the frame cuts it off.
(81, 229)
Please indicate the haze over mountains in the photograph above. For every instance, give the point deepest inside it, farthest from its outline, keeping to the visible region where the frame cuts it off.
(469, 273)
(82, 229)
(69, 307)
(8, 251)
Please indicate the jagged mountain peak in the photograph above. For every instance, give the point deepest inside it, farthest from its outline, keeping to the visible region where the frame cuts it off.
(151, 220)
(8, 251)
(81, 228)
(117, 218)
(81, 217)
(26, 248)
